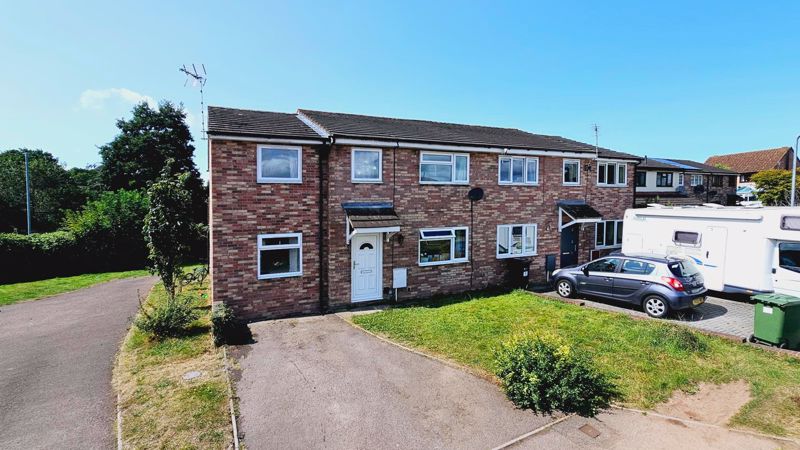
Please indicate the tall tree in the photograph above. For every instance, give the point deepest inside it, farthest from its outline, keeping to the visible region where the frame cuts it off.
(137, 155)
(51, 190)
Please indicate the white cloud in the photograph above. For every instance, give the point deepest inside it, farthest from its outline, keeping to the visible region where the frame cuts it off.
(97, 98)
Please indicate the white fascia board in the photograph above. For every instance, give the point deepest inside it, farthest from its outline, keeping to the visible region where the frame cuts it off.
(460, 148)
(265, 140)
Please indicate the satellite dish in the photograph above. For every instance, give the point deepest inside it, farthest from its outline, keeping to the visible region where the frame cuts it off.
(475, 194)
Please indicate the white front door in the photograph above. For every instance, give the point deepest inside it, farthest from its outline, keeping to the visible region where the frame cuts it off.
(367, 259)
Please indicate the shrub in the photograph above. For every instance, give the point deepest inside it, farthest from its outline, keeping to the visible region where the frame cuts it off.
(41, 255)
(223, 322)
(678, 339)
(167, 320)
(545, 376)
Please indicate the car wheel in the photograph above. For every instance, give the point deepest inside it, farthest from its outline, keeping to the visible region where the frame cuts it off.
(564, 288)
(655, 306)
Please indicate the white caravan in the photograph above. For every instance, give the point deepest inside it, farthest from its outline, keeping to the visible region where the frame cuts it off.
(746, 250)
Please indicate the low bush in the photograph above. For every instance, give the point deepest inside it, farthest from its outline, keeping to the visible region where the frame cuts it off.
(169, 319)
(223, 322)
(544, 376)
(678, 339)
(41, 255)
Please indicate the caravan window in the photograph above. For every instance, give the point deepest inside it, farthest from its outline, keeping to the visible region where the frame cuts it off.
(686, 238)
(789, 256)
(790, 223)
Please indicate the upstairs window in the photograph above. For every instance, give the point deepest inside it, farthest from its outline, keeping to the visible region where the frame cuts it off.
(608, 234)
(612, 174)
(516, 240)
(442, 246)
(572, 172)
(641, 179)
(518, 170)
(697, 180)
(664, 179)
(443, 168)
(280, 255)
(279, 164)
(366, 165)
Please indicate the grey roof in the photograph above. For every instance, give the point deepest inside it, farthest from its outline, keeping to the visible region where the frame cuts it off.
(371, 214)
(681, 165)
(257, 123)
(262, 123)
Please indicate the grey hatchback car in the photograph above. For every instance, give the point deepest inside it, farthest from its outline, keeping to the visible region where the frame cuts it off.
(659, 284)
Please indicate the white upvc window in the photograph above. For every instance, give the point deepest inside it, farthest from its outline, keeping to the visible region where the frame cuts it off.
(443, 168)
(612, 174)
(697, 180)
(608, 234)
(280, 255)
(443, 246)
(516, 240)
(518, 170)
(680, 179)
(571, 172)
(279, 164)
(366, 165)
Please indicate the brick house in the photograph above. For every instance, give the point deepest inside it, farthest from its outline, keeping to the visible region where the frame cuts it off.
(682, 182)
(315, 211)
(748, 164)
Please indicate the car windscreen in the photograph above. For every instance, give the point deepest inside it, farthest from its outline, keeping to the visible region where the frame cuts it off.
(683, 269)
(789, 256)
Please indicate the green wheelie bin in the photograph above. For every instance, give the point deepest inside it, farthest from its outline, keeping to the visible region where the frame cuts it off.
(777, 320)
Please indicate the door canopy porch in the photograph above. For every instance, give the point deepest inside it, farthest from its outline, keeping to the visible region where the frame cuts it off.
(573, 212)
(370, 217)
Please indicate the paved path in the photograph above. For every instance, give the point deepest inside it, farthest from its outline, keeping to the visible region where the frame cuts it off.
(317, 382)
(716, 314)
(56, 357)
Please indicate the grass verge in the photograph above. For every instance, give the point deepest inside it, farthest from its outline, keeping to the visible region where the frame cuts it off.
(648, 359)
(34, 290)
(159, 408)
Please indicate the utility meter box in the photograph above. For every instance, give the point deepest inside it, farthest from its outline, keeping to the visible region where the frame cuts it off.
(399, 278)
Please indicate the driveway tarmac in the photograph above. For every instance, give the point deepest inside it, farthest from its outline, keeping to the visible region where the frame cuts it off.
(317, 382)
(56, 357)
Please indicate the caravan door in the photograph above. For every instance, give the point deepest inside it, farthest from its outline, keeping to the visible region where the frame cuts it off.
(714, 241)
(786, 268)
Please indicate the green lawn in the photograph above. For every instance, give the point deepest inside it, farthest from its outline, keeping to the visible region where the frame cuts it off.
(159, 408)
(649, 359)
(32, 290)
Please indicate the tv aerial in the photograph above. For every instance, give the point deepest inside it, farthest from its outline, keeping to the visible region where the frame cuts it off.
(198, 78)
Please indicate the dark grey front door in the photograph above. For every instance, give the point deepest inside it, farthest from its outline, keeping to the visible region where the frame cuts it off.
(569, 245)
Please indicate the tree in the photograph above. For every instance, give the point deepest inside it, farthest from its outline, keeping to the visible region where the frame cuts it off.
(774, 186)
(50, 189)
(168, 227)
(86, 184)
(110, 229)
(138, 154)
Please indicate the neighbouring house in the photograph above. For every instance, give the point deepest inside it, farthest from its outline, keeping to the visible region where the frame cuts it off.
(313, 211)
(749, 163)
(680, 182)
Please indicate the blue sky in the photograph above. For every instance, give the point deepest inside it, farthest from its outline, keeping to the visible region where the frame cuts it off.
(673, 79)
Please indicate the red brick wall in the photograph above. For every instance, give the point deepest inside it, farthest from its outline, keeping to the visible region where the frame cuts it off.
(430, 206)
(242, 209)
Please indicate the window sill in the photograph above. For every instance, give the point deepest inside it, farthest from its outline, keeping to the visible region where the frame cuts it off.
(278, 181)
(570, 184)
(519, 255)
(280, 275)
(454, 183)
(443, 263)
(607, 247)
(613, 185)
(500, 183)
(366, 181)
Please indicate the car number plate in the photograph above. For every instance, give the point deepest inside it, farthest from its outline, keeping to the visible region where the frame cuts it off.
(698, 301)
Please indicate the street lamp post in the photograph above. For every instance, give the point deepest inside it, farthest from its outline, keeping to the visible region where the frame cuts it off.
(28, 193)
(794, 168)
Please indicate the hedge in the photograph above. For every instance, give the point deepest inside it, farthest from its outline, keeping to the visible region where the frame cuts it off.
(59, 253)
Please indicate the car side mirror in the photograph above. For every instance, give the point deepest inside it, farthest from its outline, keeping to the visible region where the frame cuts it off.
(585, 270)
